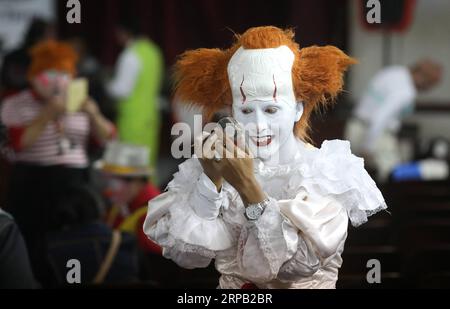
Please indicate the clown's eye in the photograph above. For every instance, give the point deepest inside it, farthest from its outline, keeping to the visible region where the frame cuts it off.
(271, 110)
(246, 111)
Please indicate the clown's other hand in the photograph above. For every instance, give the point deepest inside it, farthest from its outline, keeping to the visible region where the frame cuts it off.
(90, 107)
(205, 151)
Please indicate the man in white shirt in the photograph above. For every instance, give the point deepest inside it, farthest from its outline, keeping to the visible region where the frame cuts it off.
(127, 70)
(136, 85)
(377, 118)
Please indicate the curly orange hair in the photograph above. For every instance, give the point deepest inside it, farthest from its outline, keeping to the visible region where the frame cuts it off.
(52, 55)
(201, 76)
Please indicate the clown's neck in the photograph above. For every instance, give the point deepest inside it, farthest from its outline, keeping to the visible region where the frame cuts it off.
(286, 153)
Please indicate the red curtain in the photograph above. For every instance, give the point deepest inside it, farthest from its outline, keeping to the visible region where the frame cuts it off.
(177, 25)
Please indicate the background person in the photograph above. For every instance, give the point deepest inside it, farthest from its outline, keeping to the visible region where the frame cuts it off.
(15, 268)
(128, 189)
(49, 144)
(377, 118)
(16, 63)
(136, 86)
(106, 255)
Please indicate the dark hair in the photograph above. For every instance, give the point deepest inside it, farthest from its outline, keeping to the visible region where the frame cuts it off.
(36, 31)
(130, 25)
(76, 205)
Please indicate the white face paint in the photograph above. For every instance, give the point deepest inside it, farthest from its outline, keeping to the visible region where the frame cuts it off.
(270, 127)
(264, 100)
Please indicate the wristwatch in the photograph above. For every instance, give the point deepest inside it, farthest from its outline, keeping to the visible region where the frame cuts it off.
(254, 211)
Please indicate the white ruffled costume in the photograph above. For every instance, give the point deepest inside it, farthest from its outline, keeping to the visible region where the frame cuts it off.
(296, 243)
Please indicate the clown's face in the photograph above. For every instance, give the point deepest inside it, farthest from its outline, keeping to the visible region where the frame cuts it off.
(51, 82)
(263, 98)
(268, 125)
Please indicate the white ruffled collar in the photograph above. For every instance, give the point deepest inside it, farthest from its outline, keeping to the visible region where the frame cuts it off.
(331, 170)
(298, 162)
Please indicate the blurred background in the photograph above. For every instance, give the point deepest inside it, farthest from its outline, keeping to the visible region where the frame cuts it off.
(86, 198)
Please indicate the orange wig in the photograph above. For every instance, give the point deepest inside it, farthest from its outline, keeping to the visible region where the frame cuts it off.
(52, 55)
(201, 76)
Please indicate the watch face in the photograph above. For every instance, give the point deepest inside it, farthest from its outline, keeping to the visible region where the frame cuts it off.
(253, 212)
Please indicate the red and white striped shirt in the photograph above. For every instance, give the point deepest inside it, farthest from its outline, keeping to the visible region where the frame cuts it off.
(19, 111)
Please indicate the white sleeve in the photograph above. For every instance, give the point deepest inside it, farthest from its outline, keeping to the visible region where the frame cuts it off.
(185, 220)
(292, 239)
(206, 201)
(127, 72)
(392, 107)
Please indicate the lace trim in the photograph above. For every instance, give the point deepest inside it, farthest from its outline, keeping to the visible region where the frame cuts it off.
(331, 170)
(179, 245)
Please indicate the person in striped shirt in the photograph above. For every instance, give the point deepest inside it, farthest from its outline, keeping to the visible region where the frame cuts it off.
(49, 144)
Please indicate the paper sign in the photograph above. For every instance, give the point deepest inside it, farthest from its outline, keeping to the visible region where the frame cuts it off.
(77, 94)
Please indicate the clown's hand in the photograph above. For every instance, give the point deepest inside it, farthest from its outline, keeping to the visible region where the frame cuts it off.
(205, 151)
(236, 167)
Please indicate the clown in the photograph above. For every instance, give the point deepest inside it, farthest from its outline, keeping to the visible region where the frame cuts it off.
(50, 145)
(274, 215)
